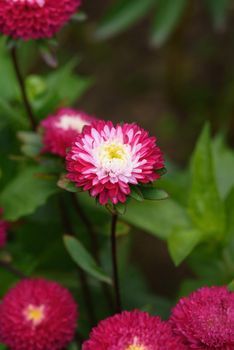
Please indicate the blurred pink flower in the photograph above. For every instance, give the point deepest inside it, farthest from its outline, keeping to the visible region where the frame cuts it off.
(37, 315)
(35, 19)
(133, 330)
(106, 159)
(205, 319)
(61, 129)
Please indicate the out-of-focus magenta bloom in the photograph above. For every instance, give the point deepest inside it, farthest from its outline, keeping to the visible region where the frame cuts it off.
(61, 129)
(106, 159)
(205, 319)
(35, 19)
(37, 315)
(133, 330)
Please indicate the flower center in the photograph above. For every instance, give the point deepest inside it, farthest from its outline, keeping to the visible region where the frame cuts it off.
(136, 347)
(71, 122)
(114, 157)
(40, 3)
(113, 151)
(35, 314)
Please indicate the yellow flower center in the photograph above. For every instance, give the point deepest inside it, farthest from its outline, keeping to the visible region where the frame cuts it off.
(136, 347)
(113, 151)
(35, 314)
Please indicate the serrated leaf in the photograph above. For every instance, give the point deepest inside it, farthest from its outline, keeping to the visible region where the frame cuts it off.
(152, 193)
(121, 16)
(24, 194)
(84, 260)
(205, 206)
(168, 14)
(182, 242)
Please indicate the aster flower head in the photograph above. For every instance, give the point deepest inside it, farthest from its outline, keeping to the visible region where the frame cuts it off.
(205, 319)
(37, 315)
(3, 230)
(35, 19)
(61, 129)
(107, 159)
(132, 330)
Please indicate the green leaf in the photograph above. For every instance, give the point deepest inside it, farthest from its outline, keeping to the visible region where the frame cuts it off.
(31, 143)
(223, 165)
(231, 286)
(205, 206)
(167, 17)
(152, 193)
(218, 10)
(229, 211)
(157, 218)
(121, 16)
(120, 208)
(68, 185)
(28, 191)
(84, 260)
(181, 243)
(136, 193)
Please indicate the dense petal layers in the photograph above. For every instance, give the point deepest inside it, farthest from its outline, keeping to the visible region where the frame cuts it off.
(35, 19)
(106, 159)
(37, 315)
(133, 330)
(61, 129)
(205, 319)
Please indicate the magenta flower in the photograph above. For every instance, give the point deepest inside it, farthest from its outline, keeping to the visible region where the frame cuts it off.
(106, 159)
(61, 129)
(205, 319)
(3, 230)
(35, 19)
(133, 330)
(37, 315)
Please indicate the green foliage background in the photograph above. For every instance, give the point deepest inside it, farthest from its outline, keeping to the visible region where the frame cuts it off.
(195, 224)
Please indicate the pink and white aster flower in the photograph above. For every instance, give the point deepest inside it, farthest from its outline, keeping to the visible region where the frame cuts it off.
(61, 129)
(35, 19)
(106, 159)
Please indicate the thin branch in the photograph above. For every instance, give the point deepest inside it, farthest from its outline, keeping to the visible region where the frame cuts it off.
(20, 79)
(13, 270)
(115, 263)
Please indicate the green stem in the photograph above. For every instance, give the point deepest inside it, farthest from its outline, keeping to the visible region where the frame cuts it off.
(20, 79)
(115, 264)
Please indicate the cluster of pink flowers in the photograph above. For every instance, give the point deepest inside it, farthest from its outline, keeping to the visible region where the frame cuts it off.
(38, 314)
(35, 19)
(3, 230)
